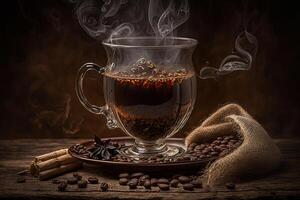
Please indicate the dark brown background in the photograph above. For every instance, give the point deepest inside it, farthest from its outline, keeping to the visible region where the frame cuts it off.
(43, 46)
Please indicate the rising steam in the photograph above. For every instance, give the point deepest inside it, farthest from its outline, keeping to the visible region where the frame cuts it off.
(164, 22)
(93, 17)
(241, 59)
(122, 18)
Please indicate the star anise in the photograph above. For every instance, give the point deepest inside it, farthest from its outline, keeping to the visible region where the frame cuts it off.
(103, 149)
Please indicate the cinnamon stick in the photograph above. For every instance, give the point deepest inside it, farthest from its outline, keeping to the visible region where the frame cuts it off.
(50, 155)
(44, 175)
(37, 167)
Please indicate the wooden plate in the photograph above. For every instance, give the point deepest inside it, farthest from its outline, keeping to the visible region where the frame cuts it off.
(142, 166)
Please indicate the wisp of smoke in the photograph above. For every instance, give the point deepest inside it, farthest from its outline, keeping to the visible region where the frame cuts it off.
(121, 18)
(241, 59)
(164, 22)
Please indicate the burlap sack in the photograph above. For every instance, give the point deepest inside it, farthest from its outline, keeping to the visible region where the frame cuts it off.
(257, 155)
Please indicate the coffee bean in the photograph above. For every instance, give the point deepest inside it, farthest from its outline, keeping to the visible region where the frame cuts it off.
(82, 183)
(123, 181)
(184, 179)
(196, 183)
(188, 186)
(163, 186)
(205, 151)
(93, 180)
(76, 175)
(142, 180)
(187, 157)
(154, 181)
(213, 153)
(56, 181)
(230, 186)
(144, 177)
(224, 142)
(136, 175)
(163, 181)
(103, 187)
(216, 142)
(227, 138)
(233, 141)
(133, 183)
(174, 183)
(72, 180)
(193, 145)
(62, 186)
(124, 175)
(147, 184)
(21, 179)
(193, 177)
(199, 147)
(217, 149)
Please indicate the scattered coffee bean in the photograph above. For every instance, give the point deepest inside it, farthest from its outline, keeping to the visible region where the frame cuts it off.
(184, 179)
(133, 183)
(62, 186)
(76, 175)
(124, 175)
(163, 186)
(142, 179)
(230, 186)
(136, 175)
(82, 183)
(147, 184)
(163, 181)
(93, 180)
(103, 186)
(188, 186)
(72, 180)
(154, 181)
(56, 181)
(123, 181)
(21, 179)
(174, 183)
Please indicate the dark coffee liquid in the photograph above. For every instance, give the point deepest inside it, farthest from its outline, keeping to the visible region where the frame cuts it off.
(150, 108)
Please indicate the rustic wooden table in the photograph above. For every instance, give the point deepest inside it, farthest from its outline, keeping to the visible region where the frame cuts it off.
(15, 155)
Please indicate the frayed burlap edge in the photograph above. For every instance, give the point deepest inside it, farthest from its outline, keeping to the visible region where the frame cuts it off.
(257, 155)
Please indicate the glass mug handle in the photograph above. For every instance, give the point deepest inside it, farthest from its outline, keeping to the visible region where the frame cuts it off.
(103, 110)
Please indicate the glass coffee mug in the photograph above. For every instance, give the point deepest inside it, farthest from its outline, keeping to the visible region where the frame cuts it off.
(150, 89)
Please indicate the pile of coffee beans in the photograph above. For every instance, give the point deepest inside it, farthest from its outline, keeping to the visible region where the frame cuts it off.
(81, 182)
(141, 180)
(195, 152)
(218, 147)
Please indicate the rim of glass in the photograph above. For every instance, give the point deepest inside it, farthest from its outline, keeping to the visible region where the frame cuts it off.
(187, 42)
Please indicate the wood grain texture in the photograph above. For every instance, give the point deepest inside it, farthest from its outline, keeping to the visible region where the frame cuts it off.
(15, 155)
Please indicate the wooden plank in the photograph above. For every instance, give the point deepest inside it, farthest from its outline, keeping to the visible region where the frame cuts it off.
(16, 155)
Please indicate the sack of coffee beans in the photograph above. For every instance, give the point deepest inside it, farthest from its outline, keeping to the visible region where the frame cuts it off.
(257, 155)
